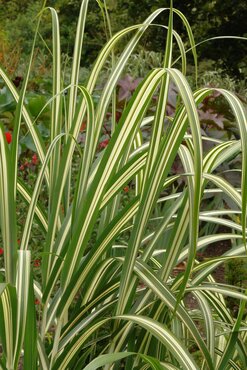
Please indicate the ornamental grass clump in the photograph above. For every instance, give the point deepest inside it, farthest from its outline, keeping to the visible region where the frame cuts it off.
(107, 296)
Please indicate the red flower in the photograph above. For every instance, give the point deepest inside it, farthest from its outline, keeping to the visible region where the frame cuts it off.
(34, 159)
(126, 189)
(36, 263)
(23, 166)
(1, 251)
(8, 136)
(83, 126)
(103, 144)
(36, 301)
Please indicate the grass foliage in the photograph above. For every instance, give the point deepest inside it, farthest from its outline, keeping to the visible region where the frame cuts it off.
(108, 293)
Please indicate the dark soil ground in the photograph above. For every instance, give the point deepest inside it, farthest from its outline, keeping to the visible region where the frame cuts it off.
(216, 250)
(235, 274)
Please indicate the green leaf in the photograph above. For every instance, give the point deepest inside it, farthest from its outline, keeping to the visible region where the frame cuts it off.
(107, 359)
(166, 337)
(22, 289)
(30, 339)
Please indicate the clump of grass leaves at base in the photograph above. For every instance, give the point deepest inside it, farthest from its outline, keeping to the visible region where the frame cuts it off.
(108, 295)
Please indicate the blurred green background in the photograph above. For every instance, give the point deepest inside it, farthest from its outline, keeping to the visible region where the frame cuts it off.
(207, 18)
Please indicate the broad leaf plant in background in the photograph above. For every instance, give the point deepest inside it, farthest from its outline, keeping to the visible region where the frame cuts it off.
(113, 228)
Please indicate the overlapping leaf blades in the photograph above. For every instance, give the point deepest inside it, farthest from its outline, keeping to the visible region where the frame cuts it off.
(116, 298)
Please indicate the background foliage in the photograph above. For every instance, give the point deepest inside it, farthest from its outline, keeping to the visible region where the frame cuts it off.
(207, 18)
